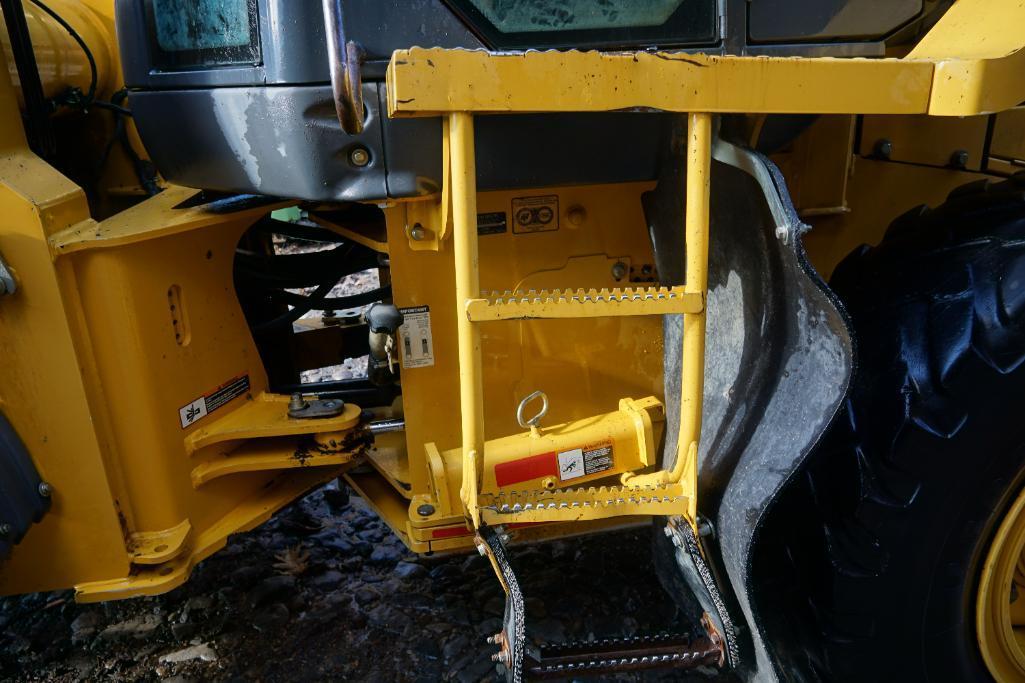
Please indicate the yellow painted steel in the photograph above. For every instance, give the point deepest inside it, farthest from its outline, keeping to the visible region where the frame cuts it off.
(1000, 600)
(977, 47)
(573, 81)
(61, 61)
(579, 303)
(464, 241)
(96, 372)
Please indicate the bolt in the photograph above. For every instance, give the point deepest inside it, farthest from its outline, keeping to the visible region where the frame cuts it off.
(884, 148)
(496, 639)
(417, 233)
(425, 510)
(5, 529)
(482, 550)
(329, 404)
(297, 402)
(502, 657)
(959, 159)
(782, 234)
(576, 215)
(504, 537)
(705, 528)
(668, 530)
(619, 270)
(45, 489)
(359, 156)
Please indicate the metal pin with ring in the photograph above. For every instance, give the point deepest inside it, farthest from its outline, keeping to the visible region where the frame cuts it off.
(532, 423)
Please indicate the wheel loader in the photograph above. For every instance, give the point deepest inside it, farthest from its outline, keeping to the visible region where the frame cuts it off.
(748, 273)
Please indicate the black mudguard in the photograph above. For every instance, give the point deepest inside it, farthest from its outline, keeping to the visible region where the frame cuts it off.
(778, 363)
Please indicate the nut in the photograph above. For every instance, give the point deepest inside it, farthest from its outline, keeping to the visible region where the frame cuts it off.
(359, 156)
(297, 402)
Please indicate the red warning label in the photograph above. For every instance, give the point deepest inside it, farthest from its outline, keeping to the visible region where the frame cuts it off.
(569, 464)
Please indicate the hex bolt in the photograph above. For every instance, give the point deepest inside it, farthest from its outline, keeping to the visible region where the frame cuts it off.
(45, 489)
(619, 270)
(883, 148)
(425, 510)
(782, 234)
(417, 233)
(359, 157)
(959, 159)
(5, 529)
(297, 402)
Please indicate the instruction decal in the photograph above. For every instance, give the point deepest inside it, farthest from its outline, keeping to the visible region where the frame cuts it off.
(585, 461)
(492, 223)
(535, 214)
(196, 410)
(416, 345)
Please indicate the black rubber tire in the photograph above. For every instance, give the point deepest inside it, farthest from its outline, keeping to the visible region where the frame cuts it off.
(891, 522)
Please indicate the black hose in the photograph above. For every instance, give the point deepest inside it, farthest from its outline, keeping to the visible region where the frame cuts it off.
(94, 75)
(327, 303)
(299, 311)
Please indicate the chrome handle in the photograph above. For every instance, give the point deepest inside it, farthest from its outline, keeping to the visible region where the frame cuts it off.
(344, 58)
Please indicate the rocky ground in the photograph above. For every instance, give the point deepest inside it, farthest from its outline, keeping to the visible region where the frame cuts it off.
(324, 591)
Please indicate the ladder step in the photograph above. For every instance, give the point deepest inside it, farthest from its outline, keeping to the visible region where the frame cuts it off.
(570, 505)
(582, 303)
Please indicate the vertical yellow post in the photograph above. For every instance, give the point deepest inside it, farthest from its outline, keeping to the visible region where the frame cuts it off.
(464, 240)
(699, 165)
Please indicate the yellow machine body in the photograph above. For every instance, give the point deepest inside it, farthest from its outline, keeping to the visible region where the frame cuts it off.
(121, 325)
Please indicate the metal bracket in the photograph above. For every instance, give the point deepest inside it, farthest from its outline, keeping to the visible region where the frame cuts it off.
(8, 285)
(429, 220)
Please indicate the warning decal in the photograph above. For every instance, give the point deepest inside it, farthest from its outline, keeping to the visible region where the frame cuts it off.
(535, 214)
(492, 223)
(416, 345)
(585, 461)
(204, 405)
(576, 462)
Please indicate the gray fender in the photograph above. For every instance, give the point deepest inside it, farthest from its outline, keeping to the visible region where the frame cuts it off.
(778, 363)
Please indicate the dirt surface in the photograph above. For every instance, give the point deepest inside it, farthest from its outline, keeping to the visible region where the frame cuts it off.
(325, 592)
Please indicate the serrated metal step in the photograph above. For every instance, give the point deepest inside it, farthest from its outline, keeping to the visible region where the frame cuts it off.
(582, 303)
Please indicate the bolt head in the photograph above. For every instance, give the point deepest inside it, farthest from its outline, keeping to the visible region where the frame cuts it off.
(482, 549)
(425, 510)
(668, 531)
(884, 148)
(417, 233)
(782, 234)
(959, 159)
(45, 490)
(329, 404)
(5, 529)
(359, 157)
(619, 270)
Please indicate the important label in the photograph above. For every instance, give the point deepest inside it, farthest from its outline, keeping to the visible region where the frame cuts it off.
(535, 214)
(585, 461)
(416, 345)
(196, 410)
(492, 223)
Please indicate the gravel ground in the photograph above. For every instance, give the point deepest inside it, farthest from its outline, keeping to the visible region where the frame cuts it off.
(324, 591)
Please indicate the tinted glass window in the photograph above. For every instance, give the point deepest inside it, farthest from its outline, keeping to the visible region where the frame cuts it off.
(591, 23)
(188, 33)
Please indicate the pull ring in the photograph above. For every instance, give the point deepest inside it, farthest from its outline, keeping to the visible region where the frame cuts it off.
(532, 422)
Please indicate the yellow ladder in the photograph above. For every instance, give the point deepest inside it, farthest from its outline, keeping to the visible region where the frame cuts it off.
(666, 492)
